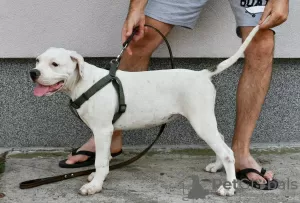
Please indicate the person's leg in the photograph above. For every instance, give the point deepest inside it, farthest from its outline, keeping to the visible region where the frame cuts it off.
(138, 61)
(252, 89)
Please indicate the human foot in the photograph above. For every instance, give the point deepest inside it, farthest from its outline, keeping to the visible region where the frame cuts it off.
(87, 152)
(88, 146)
(244, 162)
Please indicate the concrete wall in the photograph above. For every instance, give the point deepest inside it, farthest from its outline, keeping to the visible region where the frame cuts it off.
(93, 28)
(28, 121)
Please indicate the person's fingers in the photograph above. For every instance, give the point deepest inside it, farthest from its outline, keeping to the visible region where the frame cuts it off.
(124, 30)
(141, 31)
(130, 24)
(129, 51)
(136, 38)
(275, 13)
(265, 14)
(129, 28)
(272, 22)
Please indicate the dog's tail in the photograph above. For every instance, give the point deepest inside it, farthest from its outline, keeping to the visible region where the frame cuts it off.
(230, 61)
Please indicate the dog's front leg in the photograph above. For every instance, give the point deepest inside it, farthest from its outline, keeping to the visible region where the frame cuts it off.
(102, 138)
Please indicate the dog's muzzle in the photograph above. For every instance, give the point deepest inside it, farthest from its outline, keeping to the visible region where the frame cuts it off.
(34, 74)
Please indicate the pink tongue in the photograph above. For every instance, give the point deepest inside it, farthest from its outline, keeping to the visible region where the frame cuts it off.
(40, 90)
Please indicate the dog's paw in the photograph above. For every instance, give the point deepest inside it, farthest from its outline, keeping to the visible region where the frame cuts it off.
(90, 188)
(91, 177)
(225, 192)
(214, 167)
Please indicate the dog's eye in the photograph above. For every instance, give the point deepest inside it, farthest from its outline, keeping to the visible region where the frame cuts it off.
(37, 60)
(54, 64)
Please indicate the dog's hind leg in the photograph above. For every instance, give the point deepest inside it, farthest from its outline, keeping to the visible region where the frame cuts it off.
(217, 165)
(205, 125)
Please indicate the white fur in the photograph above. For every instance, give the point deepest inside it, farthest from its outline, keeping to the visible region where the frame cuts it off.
(152, 97)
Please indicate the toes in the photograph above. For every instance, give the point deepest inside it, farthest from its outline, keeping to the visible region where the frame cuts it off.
(75, 159)
(225, 192)
(213, 167)
(257, 178)
(269, 175)
(71, 161)
(90, 188)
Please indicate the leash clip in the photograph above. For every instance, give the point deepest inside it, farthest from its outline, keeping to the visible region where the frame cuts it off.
(121, 53)
(126, 43)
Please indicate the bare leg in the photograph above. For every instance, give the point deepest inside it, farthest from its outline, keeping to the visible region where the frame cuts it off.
(138, 61)
(252, 89)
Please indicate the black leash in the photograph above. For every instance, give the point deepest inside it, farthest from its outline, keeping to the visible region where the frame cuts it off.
(111, 77)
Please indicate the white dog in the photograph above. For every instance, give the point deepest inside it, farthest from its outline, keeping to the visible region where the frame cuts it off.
(152, 97)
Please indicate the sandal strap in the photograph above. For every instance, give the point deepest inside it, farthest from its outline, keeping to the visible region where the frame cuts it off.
(244, 172)
(74, 151)
(82, 152)
(263, 171)
(117, 153)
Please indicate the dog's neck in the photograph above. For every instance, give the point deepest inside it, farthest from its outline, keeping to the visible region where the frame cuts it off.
(71, 83)
(76, 85)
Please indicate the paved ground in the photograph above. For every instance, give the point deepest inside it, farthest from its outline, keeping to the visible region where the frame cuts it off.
(163, 176)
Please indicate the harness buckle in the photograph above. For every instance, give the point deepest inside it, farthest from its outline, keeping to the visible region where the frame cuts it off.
(122, 108)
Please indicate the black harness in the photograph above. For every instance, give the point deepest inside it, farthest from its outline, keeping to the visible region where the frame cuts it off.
(111, 77)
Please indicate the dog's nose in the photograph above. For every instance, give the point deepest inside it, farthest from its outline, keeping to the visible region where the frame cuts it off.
(34, 74)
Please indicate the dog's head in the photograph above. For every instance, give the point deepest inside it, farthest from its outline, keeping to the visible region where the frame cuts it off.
(55, 69)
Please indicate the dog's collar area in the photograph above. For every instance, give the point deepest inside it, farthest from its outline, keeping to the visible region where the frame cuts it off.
(111, 77)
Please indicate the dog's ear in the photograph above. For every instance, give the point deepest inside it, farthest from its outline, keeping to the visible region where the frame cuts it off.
(80, 62)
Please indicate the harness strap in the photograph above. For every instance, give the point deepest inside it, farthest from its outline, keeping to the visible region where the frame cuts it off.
(111, 77)
(122, 105)
(90, 92)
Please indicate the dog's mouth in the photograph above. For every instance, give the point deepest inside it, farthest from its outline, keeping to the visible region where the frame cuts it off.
(45, 90)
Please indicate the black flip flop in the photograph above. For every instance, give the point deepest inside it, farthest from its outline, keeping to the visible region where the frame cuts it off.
(117, 153)
(242, 175)
(90, 161)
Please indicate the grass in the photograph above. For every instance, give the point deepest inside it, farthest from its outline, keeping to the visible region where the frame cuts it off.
(187, 152)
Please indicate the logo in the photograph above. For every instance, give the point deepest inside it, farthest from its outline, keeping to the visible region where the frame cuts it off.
(255, 10)
(253, 7)
(250, 3)
(192, 189)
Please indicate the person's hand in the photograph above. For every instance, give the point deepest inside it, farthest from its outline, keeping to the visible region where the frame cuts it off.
(278, 11)
(134, 18)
